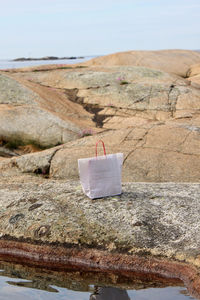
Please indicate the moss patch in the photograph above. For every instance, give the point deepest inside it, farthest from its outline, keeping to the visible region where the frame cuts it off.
(17, 143)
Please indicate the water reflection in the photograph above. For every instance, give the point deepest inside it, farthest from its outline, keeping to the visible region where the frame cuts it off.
(109, 293)
(33, 285)
(72, 283)
(80, 280)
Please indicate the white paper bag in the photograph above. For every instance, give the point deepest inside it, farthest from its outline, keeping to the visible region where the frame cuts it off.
(100, 176)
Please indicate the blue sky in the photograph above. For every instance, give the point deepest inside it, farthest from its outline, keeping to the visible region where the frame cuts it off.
(87, 27)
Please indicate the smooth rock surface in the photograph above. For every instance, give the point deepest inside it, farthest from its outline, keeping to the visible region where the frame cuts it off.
(123, 94)
(153, 118)
(153, 152)
(27, 116)
(171, 61)
(193, 70)
(193, 75)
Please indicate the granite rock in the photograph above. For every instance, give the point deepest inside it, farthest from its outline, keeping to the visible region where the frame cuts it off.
(171, 61)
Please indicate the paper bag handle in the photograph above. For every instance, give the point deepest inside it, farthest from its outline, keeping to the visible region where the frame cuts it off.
(104, 149)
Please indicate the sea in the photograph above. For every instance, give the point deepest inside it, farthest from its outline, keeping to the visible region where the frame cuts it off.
(10, 64)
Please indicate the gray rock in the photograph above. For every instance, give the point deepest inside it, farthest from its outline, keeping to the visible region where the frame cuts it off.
(13, 93)
(35, 125)
(24, 120)
(4, 152)
(35, 162)
(161, 219)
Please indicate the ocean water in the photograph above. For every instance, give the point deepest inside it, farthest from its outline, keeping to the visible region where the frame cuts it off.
(22, 282)
(8, 64)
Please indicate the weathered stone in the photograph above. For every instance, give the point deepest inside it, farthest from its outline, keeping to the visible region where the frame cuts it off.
(17, 124)
(149, 94)
(16, 218)
(150, 116)
(171, 61)
(150, 227)
(152, 152)
(27, 117)
(34, 206)
(161, 219)
(4, 152)
(193, 75)
(13, 93)
(193, 70)
(38, 163)
(153, 105)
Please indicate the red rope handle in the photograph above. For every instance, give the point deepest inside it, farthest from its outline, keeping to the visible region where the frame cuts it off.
(104, 149)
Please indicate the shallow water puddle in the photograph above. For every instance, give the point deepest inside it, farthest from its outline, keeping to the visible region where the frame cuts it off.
(26, 282)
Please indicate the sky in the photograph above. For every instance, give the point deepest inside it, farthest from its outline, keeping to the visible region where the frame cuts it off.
(37, 28)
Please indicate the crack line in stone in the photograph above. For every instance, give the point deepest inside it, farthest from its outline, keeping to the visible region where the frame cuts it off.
(144, 138)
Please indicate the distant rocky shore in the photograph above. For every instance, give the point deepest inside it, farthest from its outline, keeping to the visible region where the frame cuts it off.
(46, 58)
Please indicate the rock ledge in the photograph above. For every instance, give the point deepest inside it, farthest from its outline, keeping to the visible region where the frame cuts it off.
(150, 227)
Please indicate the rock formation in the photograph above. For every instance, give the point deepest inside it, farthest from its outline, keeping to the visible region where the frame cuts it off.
(149, 115)
(43, 117)
(193, 75)
(150, 228)
(138, 105)
(171, 61)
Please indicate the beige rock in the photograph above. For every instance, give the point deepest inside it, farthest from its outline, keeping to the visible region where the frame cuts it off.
(154, 152)
(195, 81)
(146, 93)
(193, 70)
(193, 75)
(171, 61)
(153, 118)
(30, 114)
(149, 115)
(30, 124)
(38, 163)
